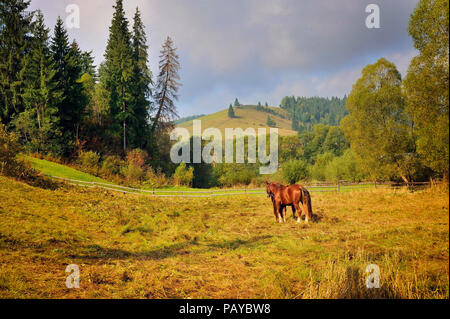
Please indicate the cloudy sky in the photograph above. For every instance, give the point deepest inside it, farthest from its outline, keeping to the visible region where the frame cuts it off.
(256, 50)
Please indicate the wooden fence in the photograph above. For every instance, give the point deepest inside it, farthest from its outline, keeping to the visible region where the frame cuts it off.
(313, 187)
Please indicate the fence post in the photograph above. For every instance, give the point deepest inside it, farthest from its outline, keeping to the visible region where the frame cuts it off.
(153, 191)
(338, 186)
(375, 184)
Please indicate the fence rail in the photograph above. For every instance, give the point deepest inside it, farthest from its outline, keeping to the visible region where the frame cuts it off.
(314, 187)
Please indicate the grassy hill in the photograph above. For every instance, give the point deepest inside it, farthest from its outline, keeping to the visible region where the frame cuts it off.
(130, 246)
(58, 170)
(246, 116)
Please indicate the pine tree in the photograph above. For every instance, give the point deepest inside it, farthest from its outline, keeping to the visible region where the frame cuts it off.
(167, 85)
(87, 64)
(142, 81)
(41, 95)
(15, 34)
(118, 72)
(231, 113)
(67, 59)
(236, 103)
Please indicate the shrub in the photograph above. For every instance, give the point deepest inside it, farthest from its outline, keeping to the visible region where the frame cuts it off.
(11, 166)
(234, 174)
(137, 158)
(317, 171)
(294, 171)
(343, 168)
(9, 149)
(111, 166)
(133, 174)
(156, 180)
(183, 175)
(89, 161)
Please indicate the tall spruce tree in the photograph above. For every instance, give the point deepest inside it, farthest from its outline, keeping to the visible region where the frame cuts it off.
(167, 86)
(15, 34)
(41, 95)
(118, 73)
(87, 64)
(141, 89)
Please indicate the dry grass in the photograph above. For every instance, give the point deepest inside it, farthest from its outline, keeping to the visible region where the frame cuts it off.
(140, 247)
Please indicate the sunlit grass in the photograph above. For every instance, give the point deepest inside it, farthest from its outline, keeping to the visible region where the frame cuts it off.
(130, 246)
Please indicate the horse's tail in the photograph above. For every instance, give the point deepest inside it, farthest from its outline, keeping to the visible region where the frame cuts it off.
(307, 203)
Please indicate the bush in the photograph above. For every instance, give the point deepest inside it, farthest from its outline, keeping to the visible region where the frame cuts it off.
(133, 174)
(89, 161)
(235, 174)
(137, 158)
(343, 168)
(294, 171)
(9, 149)
(183, 176)
(318, 171)
(156, 180)
(111, 166)
(11, 166)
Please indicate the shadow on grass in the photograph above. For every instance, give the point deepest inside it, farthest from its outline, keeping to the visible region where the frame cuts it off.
(94, 252)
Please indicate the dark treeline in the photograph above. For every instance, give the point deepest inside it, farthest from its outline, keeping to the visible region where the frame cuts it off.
(307, 112)
(60, 104)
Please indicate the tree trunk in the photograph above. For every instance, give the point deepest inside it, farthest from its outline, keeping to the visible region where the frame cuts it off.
(124, 109)
(161, 103)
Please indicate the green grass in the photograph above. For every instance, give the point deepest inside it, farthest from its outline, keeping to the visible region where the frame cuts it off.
(62, 171)
(58, 170)
(130, 246)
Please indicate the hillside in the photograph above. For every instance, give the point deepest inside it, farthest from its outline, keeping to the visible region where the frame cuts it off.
(62, 171)
(246, 116)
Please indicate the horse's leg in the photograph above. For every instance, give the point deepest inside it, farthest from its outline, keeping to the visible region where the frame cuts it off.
(299, 212)
(284, 212)
(293, 211)
(275, 210)
(307, 212)
(282, 215)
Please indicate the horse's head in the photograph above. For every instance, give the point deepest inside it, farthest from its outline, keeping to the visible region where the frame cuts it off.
(270, 189)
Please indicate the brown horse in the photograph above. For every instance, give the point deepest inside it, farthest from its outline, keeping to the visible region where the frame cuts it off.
(283, 196)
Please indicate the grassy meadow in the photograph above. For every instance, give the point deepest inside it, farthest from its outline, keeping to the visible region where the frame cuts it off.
(136, 246)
